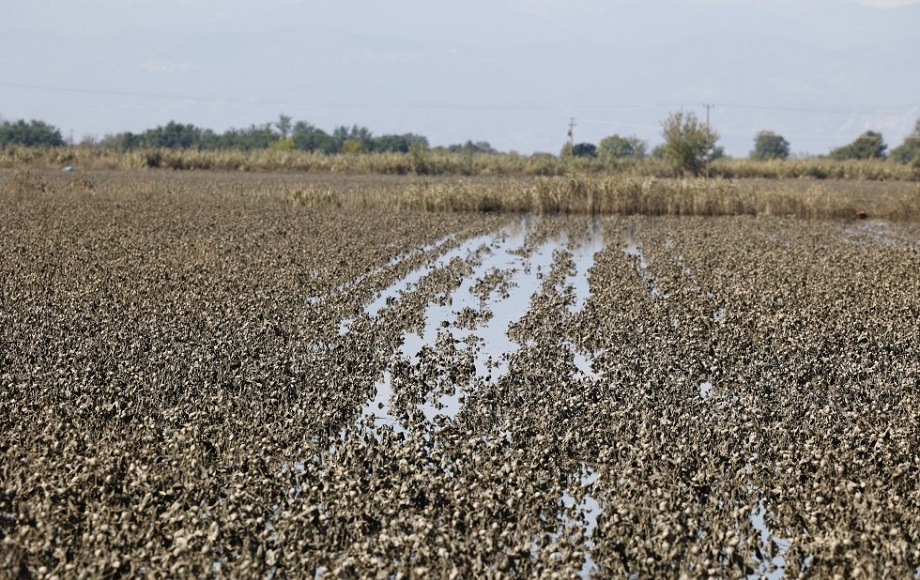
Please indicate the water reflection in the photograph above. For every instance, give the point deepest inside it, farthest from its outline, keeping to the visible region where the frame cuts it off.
(585, 513)
(507, 270)
(633, 248)
(775, 567)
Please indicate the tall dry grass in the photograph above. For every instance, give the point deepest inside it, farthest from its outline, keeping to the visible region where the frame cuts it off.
(681, 197)
(439, 162)
(572, 194)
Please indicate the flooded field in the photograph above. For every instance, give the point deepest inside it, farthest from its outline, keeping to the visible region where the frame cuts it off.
(222, 385)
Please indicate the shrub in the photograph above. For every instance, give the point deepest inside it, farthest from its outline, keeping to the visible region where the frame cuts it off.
(768, 145)
(869, 145)
(688, 143)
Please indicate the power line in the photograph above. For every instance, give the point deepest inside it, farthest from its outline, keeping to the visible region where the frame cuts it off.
(820, 110)
(459, 106)
(111, 92)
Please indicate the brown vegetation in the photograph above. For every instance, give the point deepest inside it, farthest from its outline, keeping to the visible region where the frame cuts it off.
(573, 194)
(438, 162)
(187, 362)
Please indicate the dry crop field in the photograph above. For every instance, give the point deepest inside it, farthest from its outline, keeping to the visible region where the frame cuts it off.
(217, 375)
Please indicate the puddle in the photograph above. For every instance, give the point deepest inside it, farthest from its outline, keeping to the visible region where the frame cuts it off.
(393, 262)
(379, 407)
(584, 363)
(775, 567)
(705, 389)
(475, 316)
(585, 513)
(583, 250)
(876, 231)
(770, 556)
(463, 251)
(633, 248)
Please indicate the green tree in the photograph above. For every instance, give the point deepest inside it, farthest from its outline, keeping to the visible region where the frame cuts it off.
(769, 145)
(306, 137)
(253, 137)
(470, 147)
(31, 134)
(616, 147)
(284, 125)
(869, 145)
(124, 141)
(584, 150)
(172, 136)
(398, 143)
(353, 146)
(283, 144)
(909, 150)
(362, 135)
(688, 143)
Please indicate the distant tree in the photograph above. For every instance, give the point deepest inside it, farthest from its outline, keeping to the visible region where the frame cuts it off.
(253, 137)
(343, 134)
(282, 144)
(208, 139)
(484, 147)
(617, 147)
(769, 145)
(398, 143)
(31, 134)
(584, 150)
(124, 141)
(869, 145)
(306, 137)
(284, 125)
(688, 143)
(909, 150)
(353, 146)
(470, 147)
(172, 136)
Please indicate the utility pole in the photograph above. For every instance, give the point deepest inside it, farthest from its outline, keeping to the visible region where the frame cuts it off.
(571, 134)
(708, 133)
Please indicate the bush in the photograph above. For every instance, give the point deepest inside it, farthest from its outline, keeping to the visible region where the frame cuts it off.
(768, 145)
(869, 145)
(584, 150)
(31, 134)
(910, 149)
(616, 147)
(688, 143)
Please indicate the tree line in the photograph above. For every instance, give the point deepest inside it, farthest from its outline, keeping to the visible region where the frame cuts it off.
(689, 143)
(282, 134)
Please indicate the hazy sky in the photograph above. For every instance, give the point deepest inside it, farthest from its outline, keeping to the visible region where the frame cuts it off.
(511, 72)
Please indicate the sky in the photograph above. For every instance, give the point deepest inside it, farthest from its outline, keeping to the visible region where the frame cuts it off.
(515, 73)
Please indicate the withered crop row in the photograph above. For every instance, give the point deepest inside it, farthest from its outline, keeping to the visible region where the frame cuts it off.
(178, 395)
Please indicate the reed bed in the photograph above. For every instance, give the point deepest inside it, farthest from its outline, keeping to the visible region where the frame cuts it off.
(439, 162)
(573, 194)
(677, 197)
